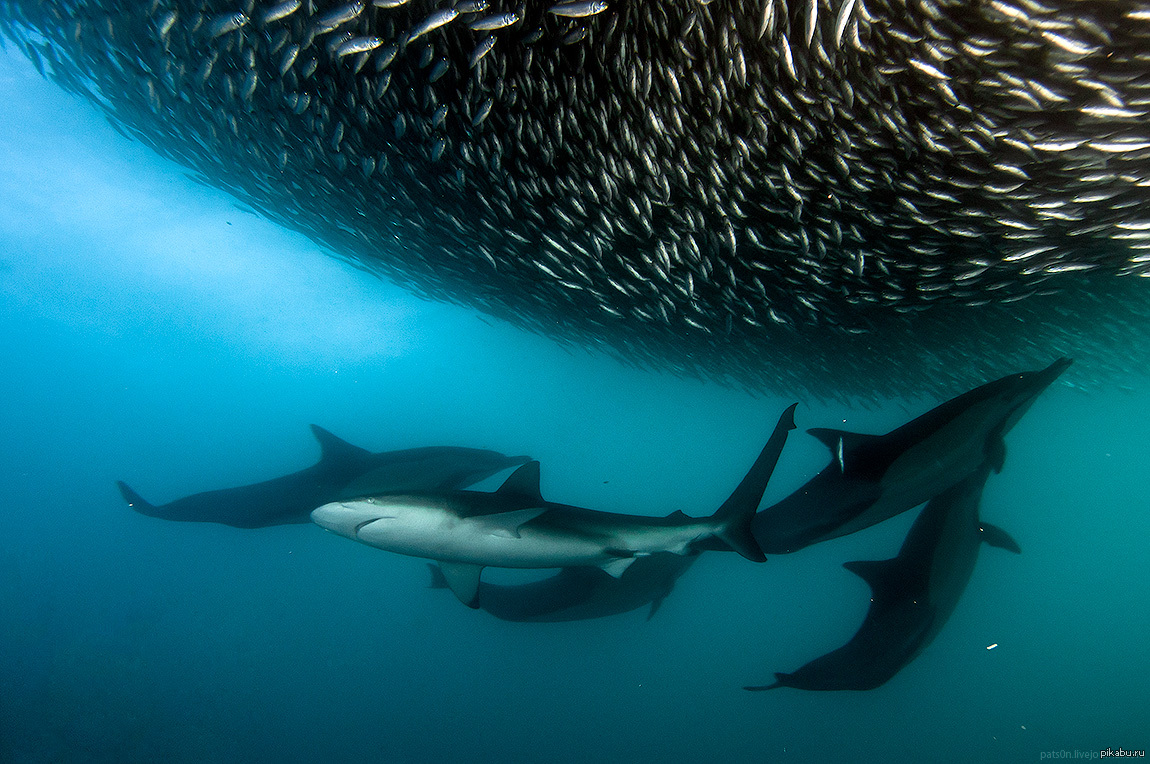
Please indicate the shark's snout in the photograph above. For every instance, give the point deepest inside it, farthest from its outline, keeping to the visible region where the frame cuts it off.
(337, 517)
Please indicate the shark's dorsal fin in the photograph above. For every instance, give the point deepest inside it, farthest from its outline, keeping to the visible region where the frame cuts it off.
(880, 575)
(850, 441)
(336, 449)
(507, 524)
(523, 484)
(463, 580)
(995, 536)
(678, 515)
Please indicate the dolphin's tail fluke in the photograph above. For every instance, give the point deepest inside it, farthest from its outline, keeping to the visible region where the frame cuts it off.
(135, 500)
(735, 516)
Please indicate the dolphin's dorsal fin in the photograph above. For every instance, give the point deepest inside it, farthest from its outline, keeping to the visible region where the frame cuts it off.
(507, 524)
(845, 440)
(523, 484)
(880, 575)
(995, 536)
(335, 449)
(463, 580)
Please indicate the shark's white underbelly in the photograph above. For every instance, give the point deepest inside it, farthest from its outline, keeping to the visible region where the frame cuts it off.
(531, 549)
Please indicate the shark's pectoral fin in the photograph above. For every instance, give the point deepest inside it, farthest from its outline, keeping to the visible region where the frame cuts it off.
(507, 524)
(617, 566)
(463, 580)
(437, 579)
(995, 536)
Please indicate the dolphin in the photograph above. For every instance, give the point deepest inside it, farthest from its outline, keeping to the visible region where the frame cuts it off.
(342, 471)
(912, 596)
(514, 527)
(872, 478)
(575, 594)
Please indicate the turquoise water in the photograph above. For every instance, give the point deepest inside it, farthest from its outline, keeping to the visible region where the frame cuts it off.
(154, 332)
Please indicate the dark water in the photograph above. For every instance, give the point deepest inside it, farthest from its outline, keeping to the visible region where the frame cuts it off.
(155, 333)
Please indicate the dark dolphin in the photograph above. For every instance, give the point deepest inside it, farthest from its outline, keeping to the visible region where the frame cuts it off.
(585, 592)
(342, 471)
(575, 594)
(912, 596)
(874, 477)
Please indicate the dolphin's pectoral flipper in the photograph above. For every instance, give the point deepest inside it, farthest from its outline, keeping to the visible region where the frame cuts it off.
(760, 687)
(135, 500)
(336, 450)
(463, 580)
(996, 452)
(507, 524)
(995, 536)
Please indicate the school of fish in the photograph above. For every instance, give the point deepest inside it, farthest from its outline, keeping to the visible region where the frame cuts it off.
(842, 197)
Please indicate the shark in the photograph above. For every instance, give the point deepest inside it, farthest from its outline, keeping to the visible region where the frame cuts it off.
(912, 595)
(581, 593)
(872, 478)
(343, 471)
(515, 527)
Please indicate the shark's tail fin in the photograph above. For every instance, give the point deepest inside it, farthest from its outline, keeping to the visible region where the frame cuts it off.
(135, 500)
(735, 516)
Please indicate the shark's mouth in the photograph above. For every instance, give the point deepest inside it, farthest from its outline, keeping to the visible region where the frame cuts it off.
(363, 525)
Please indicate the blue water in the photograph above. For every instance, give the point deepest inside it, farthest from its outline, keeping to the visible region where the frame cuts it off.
(154, 332)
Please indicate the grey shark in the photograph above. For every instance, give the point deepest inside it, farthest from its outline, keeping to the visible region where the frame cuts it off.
(514, 527)
(913, 594)
(343, 470)
(581, 593)
(872, 478)
(840, 197)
